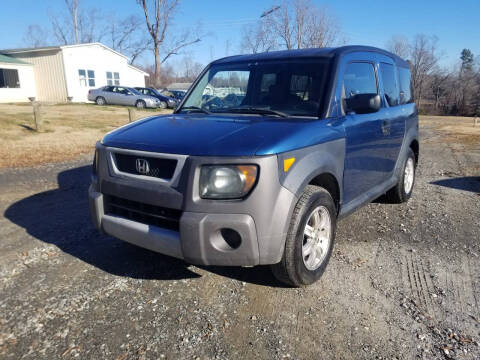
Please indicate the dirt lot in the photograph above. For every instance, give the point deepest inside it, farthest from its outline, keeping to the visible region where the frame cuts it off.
(69, 130)
(404, 281)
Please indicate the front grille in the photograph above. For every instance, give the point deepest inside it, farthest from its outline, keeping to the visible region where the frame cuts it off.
(157, 167)
(143, 213)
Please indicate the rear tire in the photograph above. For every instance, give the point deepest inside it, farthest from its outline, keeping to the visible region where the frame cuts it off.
(100, 100)
(140, 104)
(402, 192)
(310, 238)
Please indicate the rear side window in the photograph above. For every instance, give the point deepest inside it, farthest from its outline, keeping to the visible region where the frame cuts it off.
(406, 95)
(359, 78)
(389, 84)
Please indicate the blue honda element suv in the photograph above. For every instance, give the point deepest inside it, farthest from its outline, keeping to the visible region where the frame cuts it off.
(261, 158)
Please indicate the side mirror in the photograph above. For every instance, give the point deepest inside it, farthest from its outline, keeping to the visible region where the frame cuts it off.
(363, 103)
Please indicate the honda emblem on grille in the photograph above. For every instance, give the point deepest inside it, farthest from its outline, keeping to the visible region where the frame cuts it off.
(143, 167)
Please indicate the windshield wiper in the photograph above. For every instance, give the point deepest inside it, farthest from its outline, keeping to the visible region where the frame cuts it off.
(195, 109)
(255, 110)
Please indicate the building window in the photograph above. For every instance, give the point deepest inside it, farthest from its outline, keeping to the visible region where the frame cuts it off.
(91, 78)
(84, 79)
(9, 78)
(113, 78)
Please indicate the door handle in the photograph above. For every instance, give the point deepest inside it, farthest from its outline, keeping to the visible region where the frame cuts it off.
(386, 127)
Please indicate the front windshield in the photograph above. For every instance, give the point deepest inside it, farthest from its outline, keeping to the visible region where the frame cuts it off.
(293, 88)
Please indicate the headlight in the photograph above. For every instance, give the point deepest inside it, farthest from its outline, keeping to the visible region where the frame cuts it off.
(227, 181)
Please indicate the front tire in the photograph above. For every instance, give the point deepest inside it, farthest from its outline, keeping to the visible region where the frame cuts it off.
(310, 239)
(403, 190)
(163, 105)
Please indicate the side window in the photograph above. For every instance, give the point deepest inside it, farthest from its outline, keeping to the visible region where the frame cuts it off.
(82, 77)
(359, 78)
(108, 88)
(122, 90)
(389, 83)
(91, 78)
(9, 78)
(116, 78)
(109, 78)
(406, 95)
(113, 78)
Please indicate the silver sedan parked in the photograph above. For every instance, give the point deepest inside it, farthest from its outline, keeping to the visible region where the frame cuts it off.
(120, 95)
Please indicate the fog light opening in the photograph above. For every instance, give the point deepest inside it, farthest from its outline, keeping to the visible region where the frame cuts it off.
(231, 237)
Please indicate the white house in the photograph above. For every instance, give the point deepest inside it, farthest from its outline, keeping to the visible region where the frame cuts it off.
(64, 73)
(17, 82)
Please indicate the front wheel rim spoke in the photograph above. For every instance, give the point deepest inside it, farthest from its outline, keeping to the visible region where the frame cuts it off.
(309, 231)
(308, 248)
(312, 258)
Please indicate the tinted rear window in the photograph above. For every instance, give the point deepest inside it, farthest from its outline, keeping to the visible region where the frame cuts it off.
(406, 95)
(389, 84)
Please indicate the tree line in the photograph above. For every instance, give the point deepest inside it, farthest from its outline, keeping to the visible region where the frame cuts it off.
(437, 89)
(288, 24)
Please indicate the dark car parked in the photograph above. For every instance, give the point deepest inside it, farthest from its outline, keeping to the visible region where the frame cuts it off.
(165, 101)
(177, 94)
(265, 153)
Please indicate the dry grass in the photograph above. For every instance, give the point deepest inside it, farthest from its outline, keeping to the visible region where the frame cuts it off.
(69, 130)
(455, 129)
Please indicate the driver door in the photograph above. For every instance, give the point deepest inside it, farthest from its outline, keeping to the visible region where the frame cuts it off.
(364, 163)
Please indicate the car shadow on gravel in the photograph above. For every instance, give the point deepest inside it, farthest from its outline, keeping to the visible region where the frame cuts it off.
(61, 217)
(466, 183)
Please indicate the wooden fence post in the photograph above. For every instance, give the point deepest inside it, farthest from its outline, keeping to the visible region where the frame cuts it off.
(37, 116)
(131, 115)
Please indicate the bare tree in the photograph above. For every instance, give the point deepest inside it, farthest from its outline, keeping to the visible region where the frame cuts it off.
(60, 28)
(423, 58)
(399, 45)
(257, 39)
(72, 7)
(125, 37)
(191, 68)
(76, 25)
(158, 16)
(89, 26)
(301, 24)
(36, 36)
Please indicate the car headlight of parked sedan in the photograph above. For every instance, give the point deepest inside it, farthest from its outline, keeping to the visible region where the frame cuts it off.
(227, 181)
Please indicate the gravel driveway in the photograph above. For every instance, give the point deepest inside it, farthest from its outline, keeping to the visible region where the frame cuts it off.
(403, 283)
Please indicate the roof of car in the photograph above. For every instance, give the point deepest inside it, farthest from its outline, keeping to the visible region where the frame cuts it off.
(310, 53)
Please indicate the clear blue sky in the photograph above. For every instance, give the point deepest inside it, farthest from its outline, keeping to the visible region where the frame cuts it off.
(373, 22)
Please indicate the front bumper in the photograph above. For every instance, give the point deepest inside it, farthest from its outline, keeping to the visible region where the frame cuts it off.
(261, 221)
(199, 240)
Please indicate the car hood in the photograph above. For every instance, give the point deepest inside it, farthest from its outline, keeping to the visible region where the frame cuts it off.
(212, 135)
